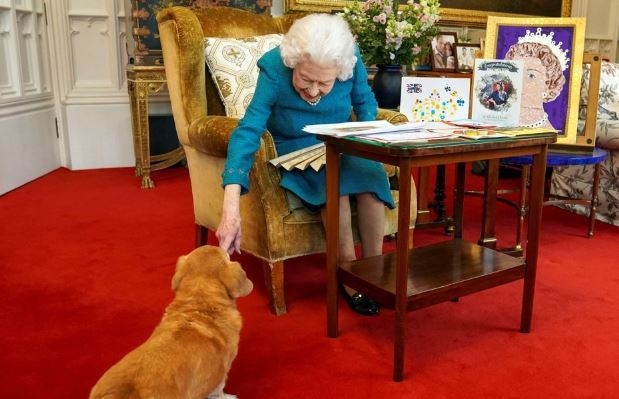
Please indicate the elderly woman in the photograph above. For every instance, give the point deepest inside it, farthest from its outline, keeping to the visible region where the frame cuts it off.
(315, 76)
(543, 81)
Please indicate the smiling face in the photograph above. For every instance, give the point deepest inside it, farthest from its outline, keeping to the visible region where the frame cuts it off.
(312, 80)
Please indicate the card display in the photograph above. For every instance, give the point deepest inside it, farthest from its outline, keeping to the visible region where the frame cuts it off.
(435, 99)
(497, 91)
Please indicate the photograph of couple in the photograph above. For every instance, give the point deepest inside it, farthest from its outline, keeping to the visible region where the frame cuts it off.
(443, 55)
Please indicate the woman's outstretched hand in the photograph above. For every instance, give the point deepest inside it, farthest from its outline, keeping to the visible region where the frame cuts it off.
(229, 229)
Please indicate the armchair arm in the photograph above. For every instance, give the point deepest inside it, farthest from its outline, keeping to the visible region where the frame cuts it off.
(391, 117)
(210, 134)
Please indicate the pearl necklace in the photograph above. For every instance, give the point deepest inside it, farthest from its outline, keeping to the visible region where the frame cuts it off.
(315, 102)
(539, 122)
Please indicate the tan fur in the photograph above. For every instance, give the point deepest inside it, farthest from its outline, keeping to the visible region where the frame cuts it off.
(191, 350)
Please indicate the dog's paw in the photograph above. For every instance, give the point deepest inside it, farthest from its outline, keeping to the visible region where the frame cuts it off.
(222, 395)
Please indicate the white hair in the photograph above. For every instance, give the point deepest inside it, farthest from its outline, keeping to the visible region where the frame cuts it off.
(321, 38)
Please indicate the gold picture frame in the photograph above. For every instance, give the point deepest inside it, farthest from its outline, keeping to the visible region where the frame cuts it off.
(469, 13)
(314, 5)
(566, 36)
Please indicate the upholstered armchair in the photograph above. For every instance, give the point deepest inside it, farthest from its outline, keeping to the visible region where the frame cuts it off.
(272, 231)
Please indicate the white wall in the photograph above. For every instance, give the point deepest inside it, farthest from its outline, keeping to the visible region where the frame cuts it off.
(28, 142)
(602, 26)
(90, 58)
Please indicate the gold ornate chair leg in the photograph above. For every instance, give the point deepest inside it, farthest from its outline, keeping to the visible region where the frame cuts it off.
(274, 282)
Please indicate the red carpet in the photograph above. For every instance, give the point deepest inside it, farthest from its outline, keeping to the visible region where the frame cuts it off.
(87, 259)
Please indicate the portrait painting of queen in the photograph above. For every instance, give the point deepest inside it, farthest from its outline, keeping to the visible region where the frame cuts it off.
(551, 51)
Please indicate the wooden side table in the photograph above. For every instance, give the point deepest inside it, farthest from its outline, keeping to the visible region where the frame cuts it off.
(141, 82)
(411, 279)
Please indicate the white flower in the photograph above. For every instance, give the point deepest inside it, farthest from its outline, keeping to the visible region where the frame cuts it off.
(385, 36)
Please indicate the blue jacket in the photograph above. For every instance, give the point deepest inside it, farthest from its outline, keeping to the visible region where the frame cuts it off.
(278, 108)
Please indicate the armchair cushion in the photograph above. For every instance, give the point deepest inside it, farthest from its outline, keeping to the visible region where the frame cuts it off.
(232, 63)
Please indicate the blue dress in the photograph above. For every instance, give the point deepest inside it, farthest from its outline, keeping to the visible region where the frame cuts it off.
(278, 108)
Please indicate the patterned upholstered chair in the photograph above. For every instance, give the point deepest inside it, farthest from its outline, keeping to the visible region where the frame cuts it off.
(272, 231)
(576, 181)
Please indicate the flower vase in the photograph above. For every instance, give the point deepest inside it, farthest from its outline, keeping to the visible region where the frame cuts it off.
(387, 85)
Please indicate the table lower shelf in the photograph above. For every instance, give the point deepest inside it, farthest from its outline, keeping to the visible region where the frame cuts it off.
(436, 273)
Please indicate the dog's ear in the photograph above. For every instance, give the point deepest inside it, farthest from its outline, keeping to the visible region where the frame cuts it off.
(180, 271)
(235, 280)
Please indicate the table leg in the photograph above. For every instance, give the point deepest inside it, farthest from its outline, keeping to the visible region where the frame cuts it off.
(332, 236)
(134, 126)
(522, 207)
(138, 97)
(423, 211)
(459, 199)
(491, 184)
(536, 202)
(439, 194)
(437, 203)
(401, 283)
(594, 198)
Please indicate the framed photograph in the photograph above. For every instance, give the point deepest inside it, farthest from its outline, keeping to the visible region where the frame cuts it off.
(442, 56)
(140, 19)
(552, 52)
(465, 56)
(474, 13)
(470, 13)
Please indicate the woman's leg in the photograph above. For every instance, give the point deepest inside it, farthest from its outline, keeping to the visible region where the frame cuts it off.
(346, 250)
(359, 303)
(371, 221)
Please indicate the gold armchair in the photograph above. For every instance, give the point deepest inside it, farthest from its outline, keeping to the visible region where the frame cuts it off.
(271, 231)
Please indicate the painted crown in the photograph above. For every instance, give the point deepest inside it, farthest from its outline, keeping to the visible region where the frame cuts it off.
(548, 41)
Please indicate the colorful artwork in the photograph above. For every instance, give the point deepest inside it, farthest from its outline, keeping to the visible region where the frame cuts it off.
(145, 47)
(431, 99)
(497, 92)
(552, 52)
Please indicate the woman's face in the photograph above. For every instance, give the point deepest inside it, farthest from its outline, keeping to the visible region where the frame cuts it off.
(312, 80)
(534, 83)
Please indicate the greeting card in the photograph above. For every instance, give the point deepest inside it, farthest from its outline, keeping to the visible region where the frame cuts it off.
(432, 99)
(497, 91)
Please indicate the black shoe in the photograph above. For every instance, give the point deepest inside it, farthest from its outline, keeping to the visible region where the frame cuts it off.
(360, 303)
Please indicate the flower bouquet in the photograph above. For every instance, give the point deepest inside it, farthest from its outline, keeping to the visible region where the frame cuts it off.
(391, 34)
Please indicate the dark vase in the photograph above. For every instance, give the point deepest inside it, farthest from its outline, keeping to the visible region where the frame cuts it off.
(386, 85)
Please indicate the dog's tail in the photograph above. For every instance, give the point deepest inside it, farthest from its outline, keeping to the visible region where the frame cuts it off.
(124, 391)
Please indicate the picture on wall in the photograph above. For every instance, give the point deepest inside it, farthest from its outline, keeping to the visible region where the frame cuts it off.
(442, 55)
(145, 47)
(474, 13)
(465, 56)
(552, 52)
